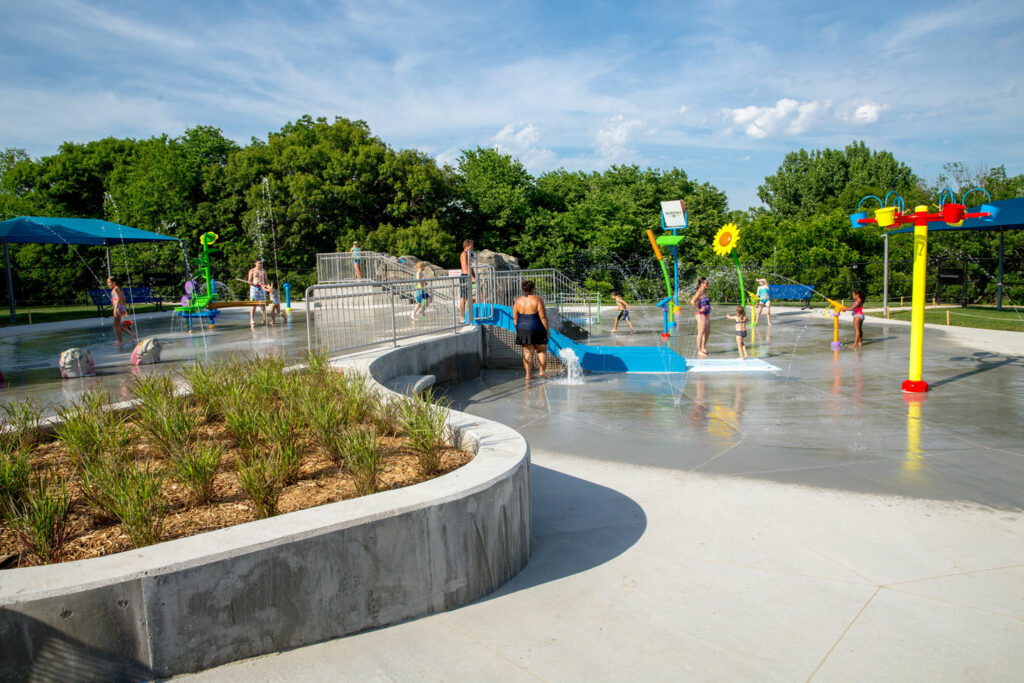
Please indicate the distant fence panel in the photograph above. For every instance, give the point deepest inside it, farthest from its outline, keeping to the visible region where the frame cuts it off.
(356, 314)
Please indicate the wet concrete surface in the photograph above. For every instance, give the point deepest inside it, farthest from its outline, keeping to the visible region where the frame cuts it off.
(29, 359)
(826, 419)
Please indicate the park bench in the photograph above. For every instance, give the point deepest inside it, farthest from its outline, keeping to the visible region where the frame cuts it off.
(792, 293)
(133, 295)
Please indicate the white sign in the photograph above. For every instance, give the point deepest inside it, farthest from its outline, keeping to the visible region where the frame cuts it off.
(454, 273)
(674, 213)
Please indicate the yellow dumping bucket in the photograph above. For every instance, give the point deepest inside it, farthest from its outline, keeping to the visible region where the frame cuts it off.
(886, 216)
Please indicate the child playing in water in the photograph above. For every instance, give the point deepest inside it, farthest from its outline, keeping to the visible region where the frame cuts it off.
(119, 304)
(275, 304)
(857, 310)
(741, 330)
(422, 295)
(624, 310)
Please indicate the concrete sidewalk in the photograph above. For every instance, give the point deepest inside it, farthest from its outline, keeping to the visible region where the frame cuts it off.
(646, 573)
(808, 525)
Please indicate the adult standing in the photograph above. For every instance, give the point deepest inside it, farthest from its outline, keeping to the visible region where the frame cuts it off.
(357, 260)
(764, 301)
(701, 303)
(531, 322)
(467, 278)
(257, 279)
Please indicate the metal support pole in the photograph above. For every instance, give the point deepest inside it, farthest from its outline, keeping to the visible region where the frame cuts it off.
(10, 283)
(394, 322)
(885, 279)
(108, 262)
(963, 281)
(999, 280)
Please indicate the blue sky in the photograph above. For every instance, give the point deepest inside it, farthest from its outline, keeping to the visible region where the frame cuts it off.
(721, 89)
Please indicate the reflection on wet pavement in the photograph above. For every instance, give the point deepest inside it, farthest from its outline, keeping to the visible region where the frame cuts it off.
(828, 419)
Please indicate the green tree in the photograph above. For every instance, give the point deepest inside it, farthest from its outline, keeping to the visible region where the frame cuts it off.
(809, 183)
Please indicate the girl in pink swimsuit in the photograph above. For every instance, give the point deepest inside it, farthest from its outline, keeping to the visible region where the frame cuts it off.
(857, 309)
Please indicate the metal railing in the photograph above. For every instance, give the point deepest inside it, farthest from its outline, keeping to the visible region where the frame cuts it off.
(565, 300)
(354, 314)
(341, 267)
(351, 315)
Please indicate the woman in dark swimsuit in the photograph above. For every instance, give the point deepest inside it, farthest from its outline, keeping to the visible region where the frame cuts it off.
(531, 328)
(702, 303)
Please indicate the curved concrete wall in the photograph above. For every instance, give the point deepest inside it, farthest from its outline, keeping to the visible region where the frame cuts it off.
(291, 580)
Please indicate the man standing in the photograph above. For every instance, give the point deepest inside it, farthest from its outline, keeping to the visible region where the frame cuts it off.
(467, 278)
(257, 279)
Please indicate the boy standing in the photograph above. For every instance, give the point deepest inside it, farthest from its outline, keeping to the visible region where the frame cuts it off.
(624, 310)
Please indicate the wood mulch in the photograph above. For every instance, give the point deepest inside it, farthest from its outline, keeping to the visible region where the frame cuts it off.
(320, 481)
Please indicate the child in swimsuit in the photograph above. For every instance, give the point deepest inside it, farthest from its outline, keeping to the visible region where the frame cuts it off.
(624, 309)
(741, 330)
(422, 295)
(857, 309)
(702, 303)
(275, 304)
(764, 301)
(119, 303)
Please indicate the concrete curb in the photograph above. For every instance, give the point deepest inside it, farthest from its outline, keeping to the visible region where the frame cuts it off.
(292, 580)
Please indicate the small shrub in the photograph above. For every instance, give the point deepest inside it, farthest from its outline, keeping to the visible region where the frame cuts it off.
(14, 481)
(207, 389)
(25, 420)
(42, 520)
(243, 423)
(131, 496)
(317, 364)
(163, 416)
(363, 457)
(324, 419)
(358, 398)
(260, 479)
(196, 468)
(288, 455)
(81, 431)
(386, 415)
(426, 426)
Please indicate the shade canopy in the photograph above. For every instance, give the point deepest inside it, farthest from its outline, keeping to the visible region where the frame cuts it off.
(1010, 217)
(40, 230)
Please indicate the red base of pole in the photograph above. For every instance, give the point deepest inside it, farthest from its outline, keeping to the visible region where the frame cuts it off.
(665, 335)
(912, 387)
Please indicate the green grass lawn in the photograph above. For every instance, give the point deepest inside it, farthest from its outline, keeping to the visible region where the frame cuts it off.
(972, 316)
(49, 314)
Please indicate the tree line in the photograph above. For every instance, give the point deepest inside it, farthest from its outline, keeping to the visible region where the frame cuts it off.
(318, 185)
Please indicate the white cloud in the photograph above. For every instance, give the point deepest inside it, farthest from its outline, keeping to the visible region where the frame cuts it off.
(615, 140)
(792, 117)
(760, 122)
(524, 144)
(449, 157)
(867, 113)
(683, 109)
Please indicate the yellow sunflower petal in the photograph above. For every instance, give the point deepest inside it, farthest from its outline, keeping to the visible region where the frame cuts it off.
(726, 239)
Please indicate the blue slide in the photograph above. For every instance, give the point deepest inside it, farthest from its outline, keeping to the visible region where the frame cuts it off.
(592, 358)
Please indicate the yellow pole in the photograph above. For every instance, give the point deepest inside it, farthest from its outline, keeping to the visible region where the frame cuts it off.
(947, 318)
(835, 327)
(915, 456)
(914, 383)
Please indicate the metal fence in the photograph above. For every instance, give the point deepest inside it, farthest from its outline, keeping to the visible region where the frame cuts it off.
(355, 314)
(342, 267)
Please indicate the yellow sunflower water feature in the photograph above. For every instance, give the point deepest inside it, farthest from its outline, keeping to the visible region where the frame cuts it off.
(724, 244)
